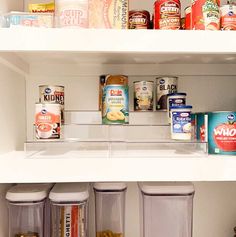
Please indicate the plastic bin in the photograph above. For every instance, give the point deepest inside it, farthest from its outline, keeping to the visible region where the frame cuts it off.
(166, 209)
(28, 214)
(69, 210)
(110, 209)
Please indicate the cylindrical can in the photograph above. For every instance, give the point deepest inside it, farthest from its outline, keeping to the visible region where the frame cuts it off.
(102, 82)
(194, 126)
(222, 133)
(205, 15)
(52, 94)
(182, 23)
(47, 120)
(228, 17)
(202, 126)
(165, 85)
(188, 18)
(139, 19)
(175, 99)
(143, 95)
(167, 14)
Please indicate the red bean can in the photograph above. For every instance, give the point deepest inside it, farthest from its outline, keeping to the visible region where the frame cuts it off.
(188, 13)
(167, 14)
(228, 17)
(139, 19)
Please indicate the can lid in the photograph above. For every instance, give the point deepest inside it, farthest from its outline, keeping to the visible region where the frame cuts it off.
(28, 192)
(69, 192)
(171, 188)
(182, 107)
(177, 93)
(110, 186)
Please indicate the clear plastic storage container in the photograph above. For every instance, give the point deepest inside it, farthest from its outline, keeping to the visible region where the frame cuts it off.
(69, 210)
(28, 215)
(166, 209)
(110, 209)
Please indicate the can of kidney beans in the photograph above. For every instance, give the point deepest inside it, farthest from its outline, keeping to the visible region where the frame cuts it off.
(228, 17)
(167, 14)
(139, 19)
(188, 16)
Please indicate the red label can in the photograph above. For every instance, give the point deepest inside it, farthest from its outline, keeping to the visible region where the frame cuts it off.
(228, 17)
(188, 18)
(167, 14)
(139, 19)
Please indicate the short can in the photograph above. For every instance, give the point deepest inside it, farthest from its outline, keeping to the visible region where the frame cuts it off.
(52, 94)
(222, 133)
(202, 126)
(228, 17)
(143, 95)
(175, 99)
(188, 18)
(48, 121)
(181, 127)
(194, 126)
(167, 14)
(165, 85)
(139, 19)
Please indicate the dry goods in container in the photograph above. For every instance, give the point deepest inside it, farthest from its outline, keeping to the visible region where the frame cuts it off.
(47, 121)
(109, 14)
(228, 17)
(143, 95)
(139, 19)
(202, 126)
(222, 133)
(188, 18)
(167, 14)
(181, 128)
(71, 13)
(42, 7)
(115, 102)
(165, 85)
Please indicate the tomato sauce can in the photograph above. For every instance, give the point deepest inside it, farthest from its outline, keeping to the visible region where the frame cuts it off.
(47, 120)
(228, 17)
(188, 18)
(222, 133)
(139, 19)
(167, 14)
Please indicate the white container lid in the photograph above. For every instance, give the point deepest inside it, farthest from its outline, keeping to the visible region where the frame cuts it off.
(69, 192)
(108, 186)
(158, 188)
(28, 192)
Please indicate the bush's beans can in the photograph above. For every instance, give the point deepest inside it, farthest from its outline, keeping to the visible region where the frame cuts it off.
(143, 95)
(165, 85)
(139, 19)
(167, 14)
(188, 23)
(47, 120)
(228, 17)
(222, 133)
(52, 94)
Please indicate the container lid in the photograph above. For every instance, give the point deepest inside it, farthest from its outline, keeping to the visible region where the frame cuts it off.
(177, 93)
(110, 186)
(69, 192)
(182, 107)
(155, 188)
(28, 192)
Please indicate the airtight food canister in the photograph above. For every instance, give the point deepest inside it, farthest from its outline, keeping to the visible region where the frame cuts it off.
(181, 128)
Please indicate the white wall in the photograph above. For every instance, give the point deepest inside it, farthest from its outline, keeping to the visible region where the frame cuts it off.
(11, 5)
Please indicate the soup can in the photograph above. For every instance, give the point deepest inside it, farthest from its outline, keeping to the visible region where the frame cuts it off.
(165, 85)
(228, 17)
(139, 19)
(47, 120)
(143, 95)
(222, 133)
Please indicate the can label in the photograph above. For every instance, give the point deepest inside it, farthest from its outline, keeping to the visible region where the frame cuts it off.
(176, 102)
(139, 20)
(228, 17)
(222, 133)
(165, 86)
(143, 95)
(115, 106)
(188, 18)
(48, 121)
(201, 127)
(194, 126)
(181, 122)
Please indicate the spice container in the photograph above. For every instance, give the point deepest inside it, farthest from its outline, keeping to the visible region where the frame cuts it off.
(69, 210)
(110, 209)
(166, 209)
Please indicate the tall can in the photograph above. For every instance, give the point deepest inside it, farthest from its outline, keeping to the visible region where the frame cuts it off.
(165, 85)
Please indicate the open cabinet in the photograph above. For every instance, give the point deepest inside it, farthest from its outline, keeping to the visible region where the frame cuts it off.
(205, 63)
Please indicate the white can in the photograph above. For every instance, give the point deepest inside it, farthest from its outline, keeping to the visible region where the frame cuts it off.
(181, 128)
(47, 121)
(175, 99)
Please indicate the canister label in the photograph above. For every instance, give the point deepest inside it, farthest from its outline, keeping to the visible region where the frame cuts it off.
(181, 122)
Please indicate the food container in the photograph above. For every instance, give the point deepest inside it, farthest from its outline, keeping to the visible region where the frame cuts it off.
(202, 126)
(110, 209)
(42, 7)
(194, 126)
(28, 210)
(222, 133)
(181, 128)
(69, 210)
(175, 99)
(166, 209)
(228, 17)
(102, 82)
(188, 18)
(139, 19)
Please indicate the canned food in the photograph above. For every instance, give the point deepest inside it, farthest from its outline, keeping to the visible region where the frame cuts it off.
(143, 95)
(165, 85)
(202, 126)
(222, 133)
(167, 14)
(47, 121)
(188, 16)
(139, 19)
(194, 126)
(102, 82)
(52, 94)
(182, 23)
(228, 17)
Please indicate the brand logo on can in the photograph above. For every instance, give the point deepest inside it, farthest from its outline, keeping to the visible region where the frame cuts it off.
(116, 93)
(48, 90)
(162, 81)
(44, 111)
(144, 88)
(184, 114)
(230, 117)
